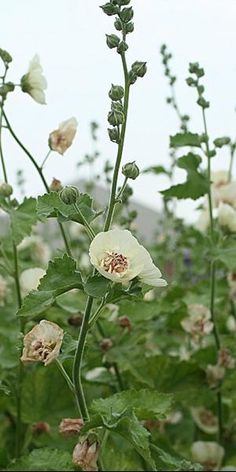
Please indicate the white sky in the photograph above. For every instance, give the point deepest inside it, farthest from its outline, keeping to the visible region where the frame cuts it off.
(69, 36)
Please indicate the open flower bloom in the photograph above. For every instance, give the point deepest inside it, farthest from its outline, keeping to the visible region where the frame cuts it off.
(227, 217)
(29, 279)
(42, 343)
(33, 82)
(61, 139)
(209, 454)
(199, 322)
(85, 455)
(205, 420)
(118, 256)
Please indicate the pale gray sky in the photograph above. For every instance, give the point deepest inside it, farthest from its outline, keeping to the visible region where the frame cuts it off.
(69, 36)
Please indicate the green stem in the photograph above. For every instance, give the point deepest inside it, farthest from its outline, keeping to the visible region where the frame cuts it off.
(208, 173)
(118, 377)
(112, 201)
(46, 158)
(40, 172)
(78, 361)
(85, 222)
(66, 376)
(120, 193)
(95, 316)
(232, 153)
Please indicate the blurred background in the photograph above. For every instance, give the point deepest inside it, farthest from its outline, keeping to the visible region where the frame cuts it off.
(69, 36)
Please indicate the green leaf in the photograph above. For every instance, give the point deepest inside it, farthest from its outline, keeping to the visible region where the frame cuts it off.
(156, 170)
(185, 139)
(50, 205)
(44, 459)
(166, 461)
(97, 286)
(227, 254)
(145, 403)
(23, 218)
(61, 276)
(196, 184)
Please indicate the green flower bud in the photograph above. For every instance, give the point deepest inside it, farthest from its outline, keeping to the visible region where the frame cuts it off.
(113, 135)
(132, 77)
(116, 92)
(112, 40)
(117, 106)
(212, 153)
(109, 9)
(139, 68)
(123, 2)
(200, 89)
(126, 14)
(6, 190)
(118, 24)
(203, 103)
(5, 56)
(123, 46)
(130, 170)
(219, 142)
(129, 27)
(191, 82)
(69, 195)
(163, 48)
(6, 88)
(193, 67)
(115, 118)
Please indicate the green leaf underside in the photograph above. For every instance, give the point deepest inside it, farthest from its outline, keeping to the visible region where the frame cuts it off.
(196, 184)
(61, 276)
(22, 219)
(50, 205)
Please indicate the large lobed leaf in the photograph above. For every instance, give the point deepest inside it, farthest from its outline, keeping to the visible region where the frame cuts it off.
(50, 205)
(22, 219)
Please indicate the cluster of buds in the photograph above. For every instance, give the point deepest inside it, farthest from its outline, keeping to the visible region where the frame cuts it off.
(85, 455)
(193, 81)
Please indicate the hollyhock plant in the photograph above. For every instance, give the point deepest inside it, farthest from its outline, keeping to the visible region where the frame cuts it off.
(42, 343)
(33, 82)
(118, 256)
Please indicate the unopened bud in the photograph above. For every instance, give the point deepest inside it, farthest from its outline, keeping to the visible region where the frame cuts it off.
(116, 92)
(126, 14)
(5, 56)
(139, 68)
(118, 24)
(109, 9)
(123, 2)
(106, 344)
(70, 426)
(124, 322)
(130, 170)
(75, 320)
(112, 40)
(203, 103)
(129, 27)
(115, 117)
(85, 455)
(113, 135)
(56, 185)
(220, 142)
(41, 428)
(190, 81)
(132, 77)
(6, 190)
(122, 47)
(69, 195)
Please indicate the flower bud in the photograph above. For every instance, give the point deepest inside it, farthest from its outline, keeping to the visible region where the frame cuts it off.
(5, 56)
(122, 47)
(116, 92)
(130, 170)
(132, 77)
(112, 40)
(106, 344)
(109, 9)
(125, 322)
(6, 190)
(113, 135)
(203, 103)
(118, 24)
(190, 81)
(75, 320)
(123, 2)
(219, 142)
(85, 455)
(41, 428)
(126, 14)
(56, 185)
(70, 426)
(69, 195)
(139, 68)
(129, 27)
(115, 117)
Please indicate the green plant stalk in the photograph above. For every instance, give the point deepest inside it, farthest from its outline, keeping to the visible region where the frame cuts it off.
(85, 222)
(45, 159)
(232, 153)
(120, 193)
(40, 172)
(213, 279)
(112, 201)
(66, 376)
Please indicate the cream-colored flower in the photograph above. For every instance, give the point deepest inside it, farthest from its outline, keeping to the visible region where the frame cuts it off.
(3, 290)
(215, 374)
(42, 343)
(231, 324)
(40, 252)
(205, 420)
(33, 82)
(149, 296)
(118, 256)
(209, 454)
(203, 221)
(227, 217)
(220, 177)
(225, 359)
(85, 455)
(30, 278)
(61, 139)
(198, 323)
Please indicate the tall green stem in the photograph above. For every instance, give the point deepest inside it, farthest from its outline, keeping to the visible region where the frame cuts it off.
(112, 201)
(40, 172)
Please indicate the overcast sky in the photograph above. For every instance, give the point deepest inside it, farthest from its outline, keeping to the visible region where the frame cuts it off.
(69, 36)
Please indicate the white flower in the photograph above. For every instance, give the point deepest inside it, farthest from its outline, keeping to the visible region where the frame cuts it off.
(42, 343)
(33, 82)
(3, 290)
(205, 420)
(209, 454)
(227, 217)
(30, 278)
(199, 322)
(203, 222)
(220, 177)
(149, 296)
(61, 139)
(118, 256)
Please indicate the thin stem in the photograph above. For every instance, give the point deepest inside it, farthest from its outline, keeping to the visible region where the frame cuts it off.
(208, 172)
(85, 222)
(45, 159)
(118, 377)
(40, 172)
(120, 193)
(112, 201)
(66, 376)
(78, 360)
(212, 303)
(95, 316)
(220, 416)
(232, 153)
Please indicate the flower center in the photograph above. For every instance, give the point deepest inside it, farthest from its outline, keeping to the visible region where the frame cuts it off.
(41, 350)
(208, 418)
(114, 262)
